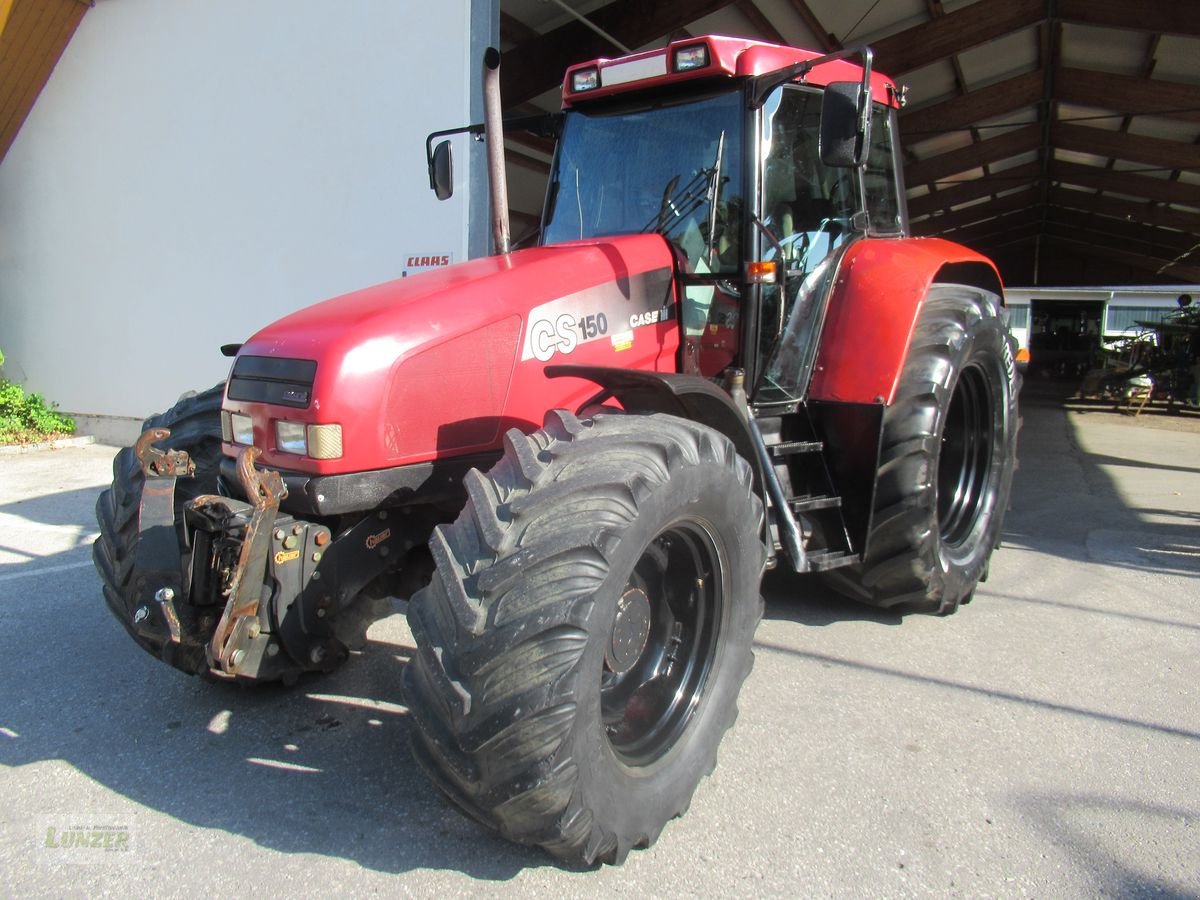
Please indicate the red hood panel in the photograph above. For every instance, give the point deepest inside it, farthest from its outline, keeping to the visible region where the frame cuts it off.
(444, 362)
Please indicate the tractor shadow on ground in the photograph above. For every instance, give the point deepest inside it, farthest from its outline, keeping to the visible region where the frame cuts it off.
(321, 768)
(807, 600)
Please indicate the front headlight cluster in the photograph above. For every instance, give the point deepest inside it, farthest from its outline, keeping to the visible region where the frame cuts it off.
(314, 441)
(298, 438)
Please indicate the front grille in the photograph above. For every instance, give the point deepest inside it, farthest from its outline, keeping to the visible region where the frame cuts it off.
(268, 379)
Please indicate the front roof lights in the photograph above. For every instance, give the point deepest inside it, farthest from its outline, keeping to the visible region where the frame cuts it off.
(685, 59)
(585, 80)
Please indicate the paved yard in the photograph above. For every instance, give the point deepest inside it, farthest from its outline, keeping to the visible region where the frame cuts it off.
(1044, 741)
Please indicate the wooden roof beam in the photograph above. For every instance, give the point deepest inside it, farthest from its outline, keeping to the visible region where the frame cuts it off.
(1129, 94)
(1067, 238)
(760, 22)
(1132, 147)
(1166, 16)
(1000, 236)
(1018, 219)
(33, 40)
(514, 30)
(969, 27)
(1126, 210)
(974, 189)
(984, 103)
(826, 40)
(953, 162)
(1170, 243)
(960, 218)
(537, 65)
(1124, 183)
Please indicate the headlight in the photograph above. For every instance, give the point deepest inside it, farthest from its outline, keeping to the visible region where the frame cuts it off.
(290, 438)
(243, 429)
(314, 441)
(585, 80)
(691, 58)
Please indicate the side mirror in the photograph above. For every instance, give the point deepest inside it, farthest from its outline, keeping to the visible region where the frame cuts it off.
(845, 129)
(441, 171)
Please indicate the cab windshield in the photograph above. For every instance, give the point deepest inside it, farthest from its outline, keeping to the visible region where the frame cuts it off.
(670, 167)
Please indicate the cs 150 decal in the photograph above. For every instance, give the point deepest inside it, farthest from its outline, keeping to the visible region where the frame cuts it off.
(615, 308)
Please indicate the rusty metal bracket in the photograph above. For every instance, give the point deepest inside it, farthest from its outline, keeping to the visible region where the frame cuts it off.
(165, 597)
(158, 560)
(239, 622)
(158, 463)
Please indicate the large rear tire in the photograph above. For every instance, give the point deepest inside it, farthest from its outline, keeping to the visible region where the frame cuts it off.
(947, 458)
(587, 631)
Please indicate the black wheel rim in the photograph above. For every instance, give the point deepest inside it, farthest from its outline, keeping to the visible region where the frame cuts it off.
(663, 643)
(965, 458)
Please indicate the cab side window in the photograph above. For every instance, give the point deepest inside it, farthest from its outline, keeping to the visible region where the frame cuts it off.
(879, 176)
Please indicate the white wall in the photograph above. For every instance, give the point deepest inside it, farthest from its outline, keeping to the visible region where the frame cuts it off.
(194, 169)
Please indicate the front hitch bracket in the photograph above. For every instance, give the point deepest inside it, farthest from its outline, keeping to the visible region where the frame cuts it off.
(162, 463)
(239, 625)
(158, 560)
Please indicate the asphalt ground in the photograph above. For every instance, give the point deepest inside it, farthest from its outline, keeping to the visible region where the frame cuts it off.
(1044, 741)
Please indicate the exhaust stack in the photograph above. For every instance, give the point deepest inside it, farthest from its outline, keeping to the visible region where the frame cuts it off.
(494, 126)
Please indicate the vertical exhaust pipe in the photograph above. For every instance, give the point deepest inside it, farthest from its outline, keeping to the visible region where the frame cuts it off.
(494, 126)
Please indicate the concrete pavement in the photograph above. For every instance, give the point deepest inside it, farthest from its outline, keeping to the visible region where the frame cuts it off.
(1044, 741)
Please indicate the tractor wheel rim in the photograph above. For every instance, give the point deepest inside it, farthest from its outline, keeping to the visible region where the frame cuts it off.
(965, 457)
(663, 644)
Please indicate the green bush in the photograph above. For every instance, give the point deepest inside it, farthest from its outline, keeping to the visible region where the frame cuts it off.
(28, 417)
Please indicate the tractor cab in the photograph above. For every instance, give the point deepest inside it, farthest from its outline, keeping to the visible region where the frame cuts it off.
(757, 173)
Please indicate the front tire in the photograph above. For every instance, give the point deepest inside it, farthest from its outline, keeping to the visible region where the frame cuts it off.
(584, 639)
(195, 426)
(947, 459)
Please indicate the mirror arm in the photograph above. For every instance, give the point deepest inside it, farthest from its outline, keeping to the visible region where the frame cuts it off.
(546, 125)
(864, 99)
(475, 130)
(767, 82)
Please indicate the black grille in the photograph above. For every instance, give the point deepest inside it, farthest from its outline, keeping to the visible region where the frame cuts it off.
(267, 379)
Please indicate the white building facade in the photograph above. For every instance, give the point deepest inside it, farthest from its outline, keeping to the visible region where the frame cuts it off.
(195, 169)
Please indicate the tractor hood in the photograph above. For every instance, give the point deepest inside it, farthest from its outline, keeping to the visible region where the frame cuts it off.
(444, 362)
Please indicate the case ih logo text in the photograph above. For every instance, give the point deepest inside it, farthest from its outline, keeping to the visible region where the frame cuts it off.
(375, 540)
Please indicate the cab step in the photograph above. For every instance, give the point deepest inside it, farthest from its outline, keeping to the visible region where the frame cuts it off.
(816, 501)
(789, 448)
(824, 560)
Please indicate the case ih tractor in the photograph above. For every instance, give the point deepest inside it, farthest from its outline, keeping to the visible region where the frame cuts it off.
(723, 353)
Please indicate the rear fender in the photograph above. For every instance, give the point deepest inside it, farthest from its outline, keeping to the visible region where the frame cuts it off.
(880, 287)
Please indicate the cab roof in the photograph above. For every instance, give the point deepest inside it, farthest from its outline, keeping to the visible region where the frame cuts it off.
(706, 57)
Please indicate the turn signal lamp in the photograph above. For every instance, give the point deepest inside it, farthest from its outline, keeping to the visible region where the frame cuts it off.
(688, 58)
(763, 272)
(585, 80)
(325, 441)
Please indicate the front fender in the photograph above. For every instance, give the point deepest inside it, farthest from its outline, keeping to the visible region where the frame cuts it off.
(880, 287)
(686, 396)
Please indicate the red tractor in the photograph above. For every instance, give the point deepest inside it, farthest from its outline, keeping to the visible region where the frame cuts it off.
(724, 353)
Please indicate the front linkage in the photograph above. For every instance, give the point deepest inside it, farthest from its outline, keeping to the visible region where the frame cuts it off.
(280, 582)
